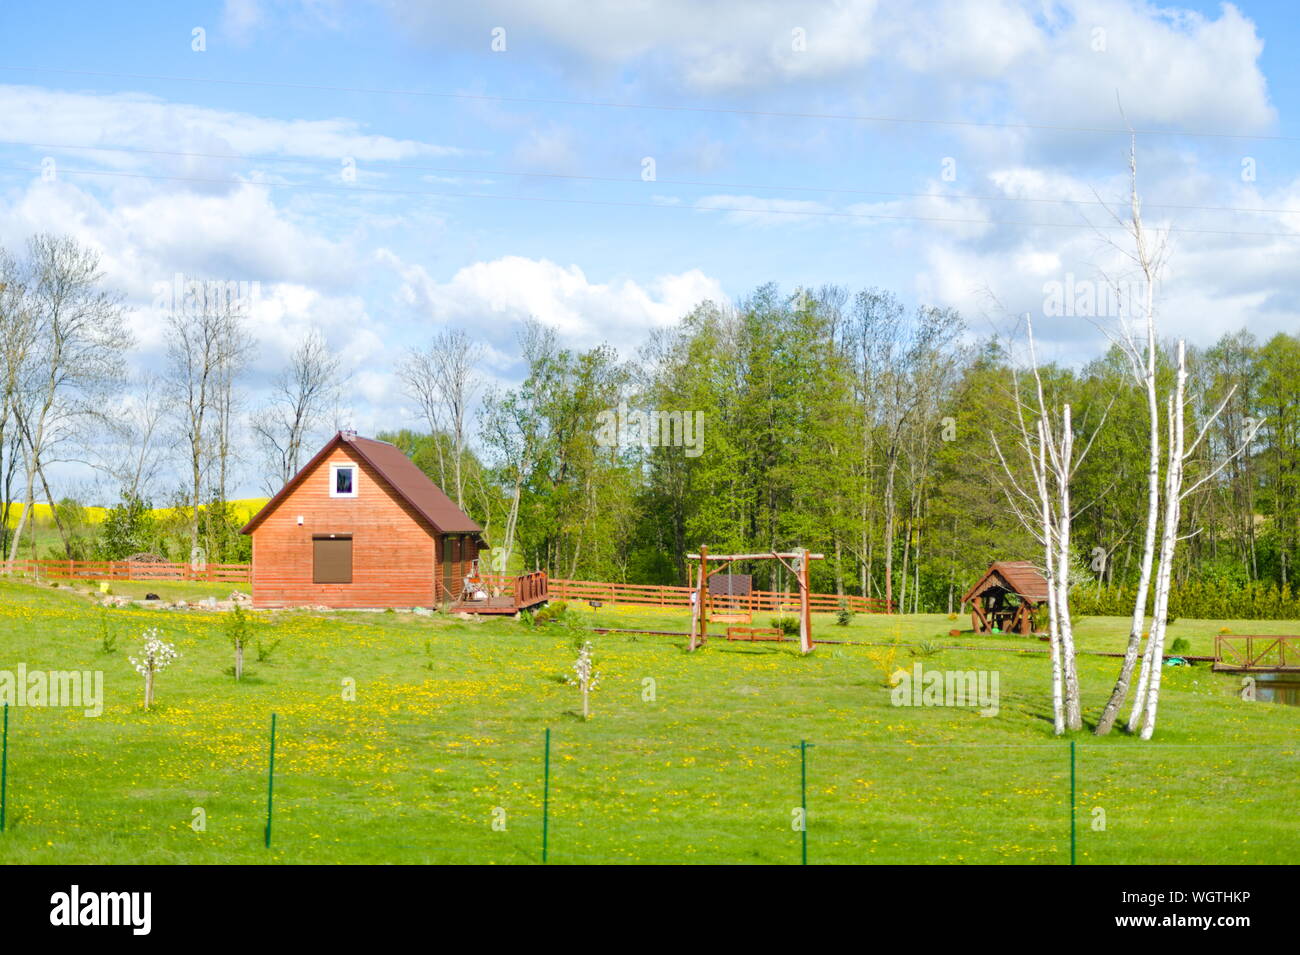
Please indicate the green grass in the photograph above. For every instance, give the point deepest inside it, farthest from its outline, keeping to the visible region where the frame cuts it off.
(706, 771)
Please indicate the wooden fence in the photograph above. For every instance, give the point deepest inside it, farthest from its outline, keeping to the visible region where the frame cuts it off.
(646, 595)
(128, 570)
(657, 595)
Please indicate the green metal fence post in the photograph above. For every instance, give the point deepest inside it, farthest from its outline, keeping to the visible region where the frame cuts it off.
(4, 770)
(1073, 838)
(546, 793)
(270, 784)
(803, 798)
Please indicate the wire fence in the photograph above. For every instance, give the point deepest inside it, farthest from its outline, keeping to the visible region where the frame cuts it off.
(338, 793)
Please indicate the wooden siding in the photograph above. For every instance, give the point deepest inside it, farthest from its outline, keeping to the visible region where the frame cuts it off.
(395, 556)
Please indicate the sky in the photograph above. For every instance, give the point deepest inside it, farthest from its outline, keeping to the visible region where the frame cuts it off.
(385, 168)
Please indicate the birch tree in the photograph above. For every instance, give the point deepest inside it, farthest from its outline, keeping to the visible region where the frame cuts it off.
(515, 426)
(1148, 255)
(1048, 512)
(1142, 718)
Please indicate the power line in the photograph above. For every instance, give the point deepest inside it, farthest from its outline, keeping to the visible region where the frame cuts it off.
(306, 187)
(1148, 203)
(656, 107)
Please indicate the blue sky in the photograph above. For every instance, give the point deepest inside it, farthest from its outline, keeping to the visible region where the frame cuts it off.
(745, 192)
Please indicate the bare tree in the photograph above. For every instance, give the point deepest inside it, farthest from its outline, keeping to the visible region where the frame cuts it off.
(1048, 512)
(1143, 716)
(204, 354)
(1148, 255)
(302, 395)
(15, 343)
(441, 378)
(72, 360)
(132, 458)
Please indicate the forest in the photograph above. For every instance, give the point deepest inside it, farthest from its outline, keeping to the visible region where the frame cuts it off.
(836, 419)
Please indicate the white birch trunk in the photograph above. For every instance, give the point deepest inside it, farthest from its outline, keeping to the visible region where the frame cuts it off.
(1168, 544)
(1111, 710)
(1053, 617)
(1073, 707)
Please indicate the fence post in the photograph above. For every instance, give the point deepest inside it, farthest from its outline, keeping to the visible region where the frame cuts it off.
(546, 793)
(803, 798)
(1073, 839)
(270, 782)
(4, 769)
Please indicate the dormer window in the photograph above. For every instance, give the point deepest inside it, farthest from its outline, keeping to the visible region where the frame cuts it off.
(343, 480)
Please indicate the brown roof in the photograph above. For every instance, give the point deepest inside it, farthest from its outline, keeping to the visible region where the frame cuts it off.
(407, 481)
(1020, 577)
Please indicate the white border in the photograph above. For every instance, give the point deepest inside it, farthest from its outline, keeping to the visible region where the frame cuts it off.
(334, 469)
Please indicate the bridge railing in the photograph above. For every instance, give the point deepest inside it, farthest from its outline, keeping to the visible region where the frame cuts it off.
(1245, 651)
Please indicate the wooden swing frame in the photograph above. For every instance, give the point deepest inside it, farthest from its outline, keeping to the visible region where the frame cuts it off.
(796, 562)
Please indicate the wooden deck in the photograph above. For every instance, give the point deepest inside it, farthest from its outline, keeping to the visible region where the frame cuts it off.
(518, 593)
(503, 604)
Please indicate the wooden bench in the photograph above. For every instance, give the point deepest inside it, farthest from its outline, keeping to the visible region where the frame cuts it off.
(755, 633)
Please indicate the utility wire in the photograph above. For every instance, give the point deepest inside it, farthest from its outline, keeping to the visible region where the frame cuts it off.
(445, 170)
(362, 190)
(659, 107)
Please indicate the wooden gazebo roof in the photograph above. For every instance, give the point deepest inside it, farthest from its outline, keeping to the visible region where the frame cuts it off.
(1019, 577)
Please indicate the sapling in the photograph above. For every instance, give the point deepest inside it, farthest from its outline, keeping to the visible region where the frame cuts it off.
(157, 654)
(238, 629)
(107, 635)
(585, 677)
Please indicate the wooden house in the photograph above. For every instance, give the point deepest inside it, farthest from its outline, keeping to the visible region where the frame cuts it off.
(361, 526)
(1005, 598)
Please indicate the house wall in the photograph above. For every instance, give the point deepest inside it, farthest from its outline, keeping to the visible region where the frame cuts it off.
(395, 556)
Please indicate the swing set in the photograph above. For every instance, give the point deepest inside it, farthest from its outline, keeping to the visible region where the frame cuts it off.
(729, 605)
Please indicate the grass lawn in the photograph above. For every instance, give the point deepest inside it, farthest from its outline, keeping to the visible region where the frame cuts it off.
(688, 757)
(167, 590)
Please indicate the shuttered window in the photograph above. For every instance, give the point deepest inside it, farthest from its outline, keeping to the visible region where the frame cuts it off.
(332, 559)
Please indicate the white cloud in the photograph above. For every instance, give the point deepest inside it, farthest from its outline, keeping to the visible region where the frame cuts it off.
(489, 297)
(1004, 59)
(144, 122)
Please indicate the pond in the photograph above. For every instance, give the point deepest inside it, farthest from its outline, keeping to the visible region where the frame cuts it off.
(1278, 688)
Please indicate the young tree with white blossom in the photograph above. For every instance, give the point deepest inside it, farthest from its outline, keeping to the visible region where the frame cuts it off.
(585, 677)
(156, 655)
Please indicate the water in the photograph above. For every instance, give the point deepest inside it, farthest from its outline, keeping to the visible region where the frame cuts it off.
(1278, 688)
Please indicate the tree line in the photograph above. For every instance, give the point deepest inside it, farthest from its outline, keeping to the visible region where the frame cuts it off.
(834, 419)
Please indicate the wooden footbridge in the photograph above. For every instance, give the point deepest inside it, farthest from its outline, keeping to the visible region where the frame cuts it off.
(1256, 653)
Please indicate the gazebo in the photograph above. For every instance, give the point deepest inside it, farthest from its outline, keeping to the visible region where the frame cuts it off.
(1006, 597)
